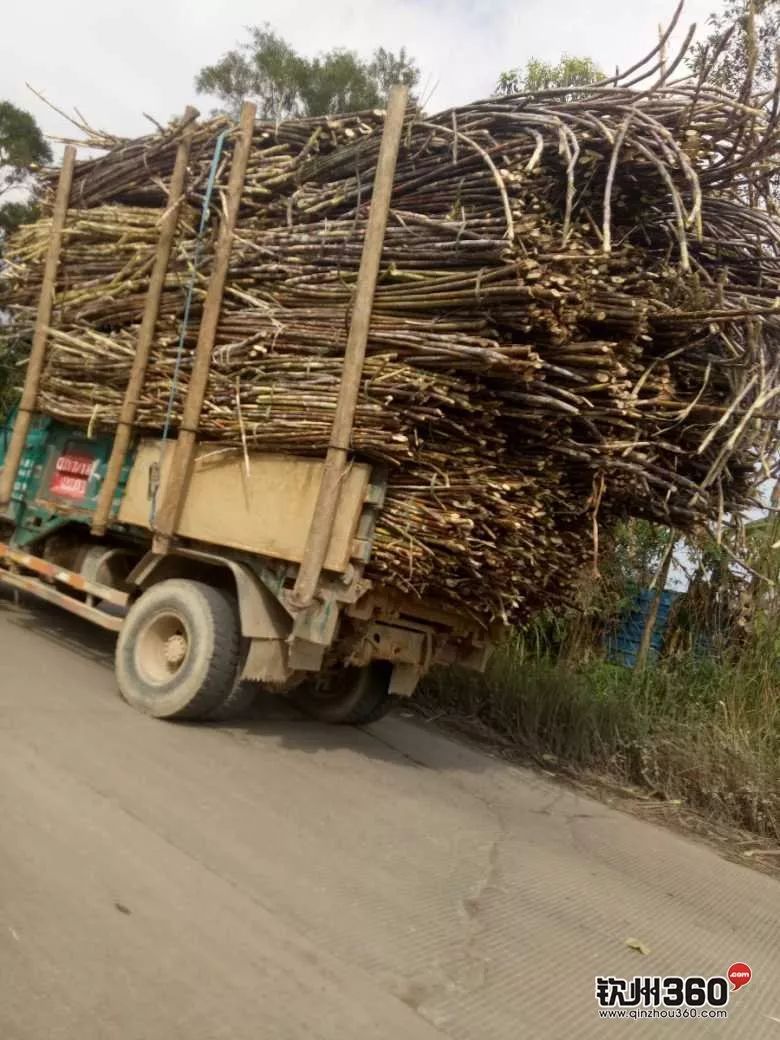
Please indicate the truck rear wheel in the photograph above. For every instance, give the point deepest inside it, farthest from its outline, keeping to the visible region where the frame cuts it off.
(236, 704)
(353, 696)
(179, 650)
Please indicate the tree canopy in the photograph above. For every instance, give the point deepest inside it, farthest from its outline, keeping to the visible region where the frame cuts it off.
(570, 71)
(738, 43)
(284, 83)
(23, 149)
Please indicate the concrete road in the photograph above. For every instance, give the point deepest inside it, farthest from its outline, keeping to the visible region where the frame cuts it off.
(279, 879)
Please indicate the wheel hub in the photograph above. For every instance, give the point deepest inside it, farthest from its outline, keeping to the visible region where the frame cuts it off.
(175, 649)
(162, 648)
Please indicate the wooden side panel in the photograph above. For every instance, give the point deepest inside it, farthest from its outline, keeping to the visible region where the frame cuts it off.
(268, 510)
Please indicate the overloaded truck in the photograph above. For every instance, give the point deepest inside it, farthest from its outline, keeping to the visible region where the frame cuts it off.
(219, 570)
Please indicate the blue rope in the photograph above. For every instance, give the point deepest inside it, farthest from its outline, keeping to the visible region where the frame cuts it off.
(185, 321)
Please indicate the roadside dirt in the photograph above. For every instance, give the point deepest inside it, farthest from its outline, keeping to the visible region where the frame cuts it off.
(737, 845)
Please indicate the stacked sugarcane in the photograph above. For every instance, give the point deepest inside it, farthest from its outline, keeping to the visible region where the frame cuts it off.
(577, 316)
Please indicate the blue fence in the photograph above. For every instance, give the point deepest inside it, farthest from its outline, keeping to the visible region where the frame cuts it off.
(623, 644)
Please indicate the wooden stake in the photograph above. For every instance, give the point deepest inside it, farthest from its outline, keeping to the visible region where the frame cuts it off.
(655, 604)
(146, 332)
(32, 377)
(343, 421)
(175, 490)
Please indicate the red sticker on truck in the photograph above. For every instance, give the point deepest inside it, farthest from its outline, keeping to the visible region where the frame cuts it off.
(71, 476)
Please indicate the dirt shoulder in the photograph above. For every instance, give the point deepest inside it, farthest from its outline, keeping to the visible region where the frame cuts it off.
(733, 843)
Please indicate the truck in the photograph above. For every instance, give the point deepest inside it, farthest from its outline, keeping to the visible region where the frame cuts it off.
(222, 571)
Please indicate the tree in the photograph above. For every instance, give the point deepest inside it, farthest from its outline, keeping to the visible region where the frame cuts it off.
(744, 36)
(538, 75)
(12, 214)
(22, 150)
(285, 84)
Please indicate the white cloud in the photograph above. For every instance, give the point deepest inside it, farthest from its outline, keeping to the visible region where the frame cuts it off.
(119, 59)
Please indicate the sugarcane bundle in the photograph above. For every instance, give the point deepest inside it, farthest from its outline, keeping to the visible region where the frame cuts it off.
(577, 316)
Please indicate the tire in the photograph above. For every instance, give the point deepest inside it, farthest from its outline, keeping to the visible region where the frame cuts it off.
(354, 696)
(236, 704)
(179, 650)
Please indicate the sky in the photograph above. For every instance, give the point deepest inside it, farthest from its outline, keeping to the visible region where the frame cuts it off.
(116, 59)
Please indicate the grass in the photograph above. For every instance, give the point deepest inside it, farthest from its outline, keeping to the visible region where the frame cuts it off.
(704, 732)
